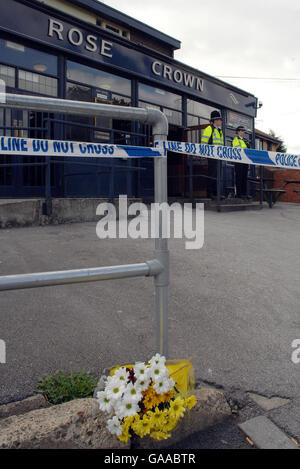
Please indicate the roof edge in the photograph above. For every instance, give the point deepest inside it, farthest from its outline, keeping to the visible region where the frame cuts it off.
(126, 20)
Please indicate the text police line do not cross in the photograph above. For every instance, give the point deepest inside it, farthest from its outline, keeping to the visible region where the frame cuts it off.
(234, 155)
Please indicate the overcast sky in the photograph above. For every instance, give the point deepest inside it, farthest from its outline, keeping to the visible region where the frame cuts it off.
(241, 39)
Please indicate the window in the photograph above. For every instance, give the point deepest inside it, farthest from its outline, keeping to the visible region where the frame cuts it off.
(148, 106)
(8, 75)
(37, 83)
(78, 92)
(198, 113)
(98, 78)
(159, 97)
(120, 100)
(193, 121)
(258, 144)
(168, 103)
(73, 131)
(18, 55)
(234, 119)
(173, 117)
(199, 109)
(114, 28)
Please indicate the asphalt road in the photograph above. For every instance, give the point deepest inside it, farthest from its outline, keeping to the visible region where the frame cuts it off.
(234, 306)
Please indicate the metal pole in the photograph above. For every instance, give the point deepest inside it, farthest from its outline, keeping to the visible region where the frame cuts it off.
(161, 248)
(218, 184)
(47, 206)
(48, 199)
(261, 184)
(191, 189)
(66, 277)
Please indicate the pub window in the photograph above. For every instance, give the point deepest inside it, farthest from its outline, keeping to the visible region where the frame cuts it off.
(173, 117)
(7, 74)
(258, 144)
(98, 78)
(37, 83)
(199, 109)
(13, 53)
(114, 28)
(75, 132)
(234, 119)
(159, 96)
(148, 106)
(193, 121)
(78, 92)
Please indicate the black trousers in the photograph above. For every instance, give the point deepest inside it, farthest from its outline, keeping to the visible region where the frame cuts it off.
(241, 173)
(211, 185)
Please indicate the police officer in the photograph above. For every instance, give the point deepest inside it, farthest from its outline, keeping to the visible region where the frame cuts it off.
(213, 135)
(241, 169)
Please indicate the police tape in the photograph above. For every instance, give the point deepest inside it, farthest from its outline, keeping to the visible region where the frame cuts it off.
(40, 147)
(232, 154)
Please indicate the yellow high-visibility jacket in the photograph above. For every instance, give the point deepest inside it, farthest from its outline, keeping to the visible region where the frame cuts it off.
(216, 134)
(239, 142)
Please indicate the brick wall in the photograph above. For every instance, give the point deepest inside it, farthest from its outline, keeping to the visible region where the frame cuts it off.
(280, 176)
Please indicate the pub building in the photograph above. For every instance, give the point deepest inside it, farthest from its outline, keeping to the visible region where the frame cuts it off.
(84, 50)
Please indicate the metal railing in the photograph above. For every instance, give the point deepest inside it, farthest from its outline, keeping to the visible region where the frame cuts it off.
(48, 181)
(157, 268)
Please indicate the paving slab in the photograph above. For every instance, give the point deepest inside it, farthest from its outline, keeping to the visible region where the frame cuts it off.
(265, 434)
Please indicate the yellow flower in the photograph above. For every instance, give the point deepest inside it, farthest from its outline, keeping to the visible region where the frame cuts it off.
(170, 423)
(152, 399)
(157, 418)
(128, 422)
(177, 408)
(158, 435)
(190, 402)
(142, 427)
(167, 396)
(124, 437)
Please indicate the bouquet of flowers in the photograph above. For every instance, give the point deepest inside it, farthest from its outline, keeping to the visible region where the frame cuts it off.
(143, 400)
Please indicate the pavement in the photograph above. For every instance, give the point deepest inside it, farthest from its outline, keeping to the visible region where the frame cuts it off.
(233, 308)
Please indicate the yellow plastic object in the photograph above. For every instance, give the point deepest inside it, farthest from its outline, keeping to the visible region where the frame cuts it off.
(181, 371)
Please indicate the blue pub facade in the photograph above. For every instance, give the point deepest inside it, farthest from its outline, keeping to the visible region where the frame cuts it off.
(87, 51)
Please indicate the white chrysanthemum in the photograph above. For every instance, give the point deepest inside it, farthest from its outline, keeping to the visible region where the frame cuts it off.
(141, 370)
(114, 426)
(158, 360)
(164, 385)
(115, 389)
(122, 375)
(158, 372)
(126, 408)
(104, 401)
(133, 392)
(143, 382)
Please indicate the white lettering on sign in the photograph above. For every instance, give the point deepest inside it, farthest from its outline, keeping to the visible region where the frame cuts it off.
(91, 43)
(77, 38)
(178, 76)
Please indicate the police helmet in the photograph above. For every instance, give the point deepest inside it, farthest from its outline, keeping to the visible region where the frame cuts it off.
(215, 115)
